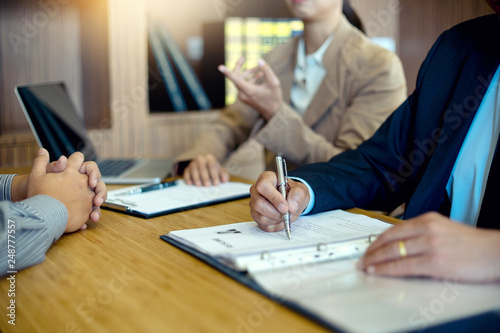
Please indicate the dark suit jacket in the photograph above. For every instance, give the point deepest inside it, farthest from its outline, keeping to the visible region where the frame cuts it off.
(411, 156)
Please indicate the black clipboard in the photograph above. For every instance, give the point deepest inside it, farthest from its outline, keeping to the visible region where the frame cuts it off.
(247, 280)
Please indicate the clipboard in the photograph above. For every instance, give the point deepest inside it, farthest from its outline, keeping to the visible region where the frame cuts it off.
(172, 199)
(245, 279)
(333, 292)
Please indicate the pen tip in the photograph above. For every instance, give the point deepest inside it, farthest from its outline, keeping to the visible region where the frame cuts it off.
(288, 234)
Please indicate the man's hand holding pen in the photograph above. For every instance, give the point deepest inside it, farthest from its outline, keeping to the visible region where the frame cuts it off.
(267, 204)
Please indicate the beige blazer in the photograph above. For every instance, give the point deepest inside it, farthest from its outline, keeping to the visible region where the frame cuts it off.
(364, 83)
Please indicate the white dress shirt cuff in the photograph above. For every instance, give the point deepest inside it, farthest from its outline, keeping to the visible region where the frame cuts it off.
(312, 197)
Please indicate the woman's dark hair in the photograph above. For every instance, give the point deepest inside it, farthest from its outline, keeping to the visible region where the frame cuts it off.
(352, 16)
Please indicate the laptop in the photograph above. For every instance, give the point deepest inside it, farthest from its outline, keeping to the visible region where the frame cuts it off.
(58, 128)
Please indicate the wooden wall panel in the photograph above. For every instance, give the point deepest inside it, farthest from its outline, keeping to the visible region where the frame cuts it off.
(421, 22)
(380, 17)
(171, 134)
(44, 41)
(37, 44)
(94, 60)
(17, 150)
(128, 74)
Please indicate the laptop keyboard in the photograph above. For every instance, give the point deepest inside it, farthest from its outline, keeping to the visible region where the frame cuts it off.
(115, 167)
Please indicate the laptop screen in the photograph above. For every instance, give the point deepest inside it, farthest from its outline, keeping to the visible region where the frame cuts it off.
(54, 121)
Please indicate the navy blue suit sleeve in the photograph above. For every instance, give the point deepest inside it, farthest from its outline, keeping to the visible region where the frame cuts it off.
(376, 175)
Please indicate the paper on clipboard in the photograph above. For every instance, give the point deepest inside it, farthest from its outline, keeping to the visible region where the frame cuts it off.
(321, 237)
(333, 292)
(173, 199)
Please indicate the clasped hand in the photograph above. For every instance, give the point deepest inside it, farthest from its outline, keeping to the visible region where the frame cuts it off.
(72, 181)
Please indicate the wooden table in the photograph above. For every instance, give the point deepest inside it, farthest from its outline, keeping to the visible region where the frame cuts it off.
(119, 276)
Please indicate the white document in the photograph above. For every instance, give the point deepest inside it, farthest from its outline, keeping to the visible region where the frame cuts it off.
(315, 238)
(334, 290)
(356, 302)
(174, 198)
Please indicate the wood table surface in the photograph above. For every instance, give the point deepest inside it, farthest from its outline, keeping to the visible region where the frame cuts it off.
(119, 276)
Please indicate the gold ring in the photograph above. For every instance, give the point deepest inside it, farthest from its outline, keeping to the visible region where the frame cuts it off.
(402, 249)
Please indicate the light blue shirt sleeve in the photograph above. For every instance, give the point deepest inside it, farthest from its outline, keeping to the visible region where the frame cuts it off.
(5, 187)
(30, 227)
(312, 197)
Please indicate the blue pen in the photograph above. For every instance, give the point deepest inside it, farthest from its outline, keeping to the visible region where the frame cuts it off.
(153, 187)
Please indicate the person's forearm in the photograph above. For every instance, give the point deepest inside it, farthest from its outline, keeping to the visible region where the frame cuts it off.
(19, 190)
(29, 227)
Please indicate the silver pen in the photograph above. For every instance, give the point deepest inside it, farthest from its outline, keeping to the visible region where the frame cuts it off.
(282, 181)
